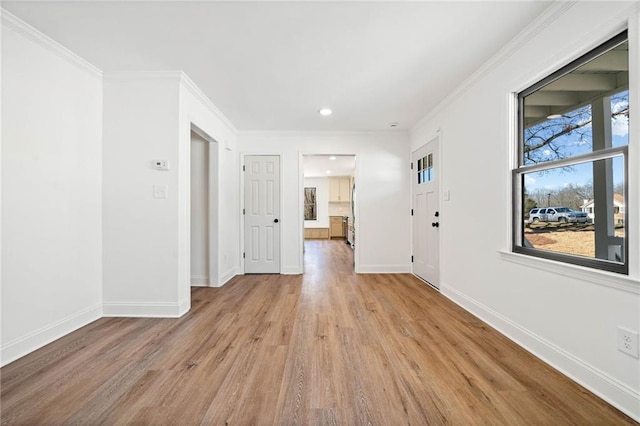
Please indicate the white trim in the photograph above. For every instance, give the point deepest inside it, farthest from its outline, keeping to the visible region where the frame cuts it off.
(227, 276)
(20, 27)
(300, 212)
(143, 75)
(632, 207)
(356, 213)
(199, 280)
(199, 94)
(357, 266)
(512, 161)
(545, 19)
(594, 276)
(385, 269)
(143, 309)
(317, 133)
(30, 342)
(198, 131)
(213, 195)
(241, 252)
(184, 305)
(606, 387)
(291, 270)
(1, 198)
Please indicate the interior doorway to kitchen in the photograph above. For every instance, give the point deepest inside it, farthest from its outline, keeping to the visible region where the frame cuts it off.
(329, 206)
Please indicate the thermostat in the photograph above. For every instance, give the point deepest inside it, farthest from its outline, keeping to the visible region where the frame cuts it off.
(161, 164)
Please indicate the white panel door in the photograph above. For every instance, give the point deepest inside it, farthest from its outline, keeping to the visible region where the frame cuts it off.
(262, 214)
(426, 212)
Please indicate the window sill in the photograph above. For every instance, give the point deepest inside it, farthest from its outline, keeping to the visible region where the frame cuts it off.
(604, 278)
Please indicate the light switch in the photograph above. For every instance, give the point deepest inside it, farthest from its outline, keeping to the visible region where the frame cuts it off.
(446, 195)
(160, 191)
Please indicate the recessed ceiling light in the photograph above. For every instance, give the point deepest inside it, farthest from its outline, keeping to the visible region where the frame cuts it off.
(332, 157)
(325, 111)
(328, 171)
(552, 116)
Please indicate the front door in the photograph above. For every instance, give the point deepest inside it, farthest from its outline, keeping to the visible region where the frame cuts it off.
(262, 214)
(426, 212)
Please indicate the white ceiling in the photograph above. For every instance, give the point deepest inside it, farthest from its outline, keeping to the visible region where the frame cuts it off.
(272, 65)
(318, 165)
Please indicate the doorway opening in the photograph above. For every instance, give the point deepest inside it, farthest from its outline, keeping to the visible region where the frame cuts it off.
(329, 202)
(203, 210)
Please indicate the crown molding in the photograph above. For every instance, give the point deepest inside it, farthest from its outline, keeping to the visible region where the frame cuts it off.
(321, 133)
(20, 27)
(143, 75)
(550, 15)
(199, 94)
(181, 78)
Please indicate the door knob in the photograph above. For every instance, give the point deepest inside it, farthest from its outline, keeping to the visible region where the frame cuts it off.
(436, 224)
(275, 221)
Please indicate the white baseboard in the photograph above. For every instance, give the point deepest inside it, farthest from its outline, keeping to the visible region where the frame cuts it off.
(291, 270)
(143, 309)
(606, 387)
(384, 269)
(224, 278)
(45, 335)
(184, 306)
(199, 280)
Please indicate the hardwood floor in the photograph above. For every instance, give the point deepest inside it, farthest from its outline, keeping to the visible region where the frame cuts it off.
(329, 347)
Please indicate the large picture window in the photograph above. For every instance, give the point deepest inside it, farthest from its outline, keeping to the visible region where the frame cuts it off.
(570, 184)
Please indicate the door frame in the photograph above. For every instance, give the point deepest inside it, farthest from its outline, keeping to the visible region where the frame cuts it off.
(242, 249)
(437, 135)
(356, 174)
(213, 179)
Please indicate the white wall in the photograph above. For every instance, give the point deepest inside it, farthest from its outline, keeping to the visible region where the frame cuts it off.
(382, 233)
(149, 116)
(51, 191)
(199, 210)
(322, 202)
(197, 110)
(73, 247)
(568, 316)
(140, 232)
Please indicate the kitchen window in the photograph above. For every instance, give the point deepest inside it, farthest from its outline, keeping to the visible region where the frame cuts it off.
(310, 205)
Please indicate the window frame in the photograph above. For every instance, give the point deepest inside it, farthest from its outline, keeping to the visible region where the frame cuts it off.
(520, 170)
(315, 203)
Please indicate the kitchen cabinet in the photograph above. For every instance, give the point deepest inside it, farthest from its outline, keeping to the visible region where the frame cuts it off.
(336, 227)
(316, 233)
(339, 189)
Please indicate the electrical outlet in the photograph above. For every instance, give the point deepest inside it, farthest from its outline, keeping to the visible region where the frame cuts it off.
(628, 341)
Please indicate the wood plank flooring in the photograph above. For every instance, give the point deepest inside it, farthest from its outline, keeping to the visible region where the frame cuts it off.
(327, 348)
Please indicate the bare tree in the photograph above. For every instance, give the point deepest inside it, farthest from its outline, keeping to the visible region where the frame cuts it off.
(572, 196)
(544, 141)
